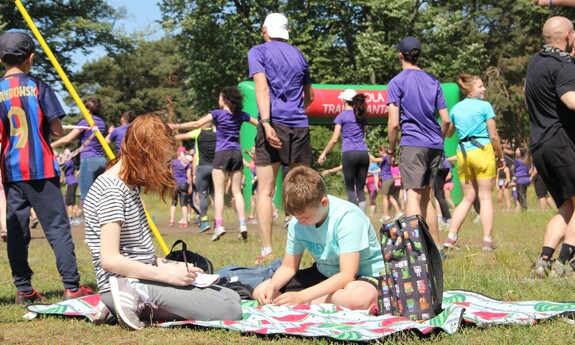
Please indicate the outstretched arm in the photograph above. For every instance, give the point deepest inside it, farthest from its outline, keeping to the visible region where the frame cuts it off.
(65, 140)
(193, 124)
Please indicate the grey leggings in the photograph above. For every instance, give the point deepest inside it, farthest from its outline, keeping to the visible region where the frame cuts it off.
(176, 303)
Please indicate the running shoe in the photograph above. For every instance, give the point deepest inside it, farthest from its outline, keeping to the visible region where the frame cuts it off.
(541, 268)
(243, 232)
(205, 226)
(218, 233)
(80, 291)
(28, 297)
(489, 246)
(451, 244)
(562, 270)
(384, 219)
(127, 302)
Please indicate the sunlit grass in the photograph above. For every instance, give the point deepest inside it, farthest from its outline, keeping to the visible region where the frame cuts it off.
(502, 275)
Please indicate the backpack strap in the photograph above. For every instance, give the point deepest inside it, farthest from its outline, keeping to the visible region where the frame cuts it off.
(435, 265)
(184, 250)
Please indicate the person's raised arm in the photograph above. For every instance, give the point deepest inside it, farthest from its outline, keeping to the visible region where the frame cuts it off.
(330, 144)
(65, 140)
(193, 124)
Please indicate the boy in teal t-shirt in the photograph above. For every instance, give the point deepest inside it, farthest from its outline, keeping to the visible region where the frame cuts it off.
(340, 238)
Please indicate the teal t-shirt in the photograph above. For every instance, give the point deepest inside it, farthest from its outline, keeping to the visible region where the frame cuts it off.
(470, 118)
(345, 230)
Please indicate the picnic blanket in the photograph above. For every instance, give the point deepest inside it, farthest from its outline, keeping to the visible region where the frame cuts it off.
(328, 320)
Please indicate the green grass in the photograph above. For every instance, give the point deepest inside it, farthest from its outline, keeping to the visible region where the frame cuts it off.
(501, 275)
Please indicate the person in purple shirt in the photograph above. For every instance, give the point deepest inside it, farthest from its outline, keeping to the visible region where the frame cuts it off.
(92, 159)
(355, 157)
(414, 96)
(283, 90)
(386, 185)
(522, 173)
(228, 160)
(117, 134)
(182, 170)
(69, 169)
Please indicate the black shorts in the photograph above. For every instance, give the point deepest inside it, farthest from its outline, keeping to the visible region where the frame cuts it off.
(71, 194)
(296, 146)
(312, 276)
(540, 188)
(228, 161)
(555, 163)
(181, 191)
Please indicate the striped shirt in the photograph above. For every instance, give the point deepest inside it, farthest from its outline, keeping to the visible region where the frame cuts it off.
(110, 200)
(27, 106)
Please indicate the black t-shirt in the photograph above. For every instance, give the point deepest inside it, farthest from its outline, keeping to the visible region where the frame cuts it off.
(206, 146)
(549, 76)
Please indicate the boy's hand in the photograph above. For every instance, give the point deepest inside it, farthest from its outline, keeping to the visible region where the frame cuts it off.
(265, 297)
(290, 298)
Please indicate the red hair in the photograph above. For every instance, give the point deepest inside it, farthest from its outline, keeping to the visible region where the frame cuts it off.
(146, 151)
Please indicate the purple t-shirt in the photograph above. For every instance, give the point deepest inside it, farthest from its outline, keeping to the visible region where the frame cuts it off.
(118, 135)
(287, 72)
(418, 95)
(228, 128)
(351, 132)
(180, 170)
(69, 169)
(94, 149)
(521, 172)
(385, 172)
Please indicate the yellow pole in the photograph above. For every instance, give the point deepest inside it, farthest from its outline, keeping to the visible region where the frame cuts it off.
(83, 109)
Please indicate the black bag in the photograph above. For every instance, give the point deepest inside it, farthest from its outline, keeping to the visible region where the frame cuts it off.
(189, 257)
(411, 285)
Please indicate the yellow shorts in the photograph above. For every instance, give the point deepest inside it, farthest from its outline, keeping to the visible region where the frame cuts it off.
(479, 164)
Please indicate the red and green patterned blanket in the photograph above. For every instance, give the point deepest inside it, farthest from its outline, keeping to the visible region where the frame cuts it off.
(328, 320)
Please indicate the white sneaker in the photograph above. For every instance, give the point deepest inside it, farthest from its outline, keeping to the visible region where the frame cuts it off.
(384, 219)
(218, 232)
(243, 232)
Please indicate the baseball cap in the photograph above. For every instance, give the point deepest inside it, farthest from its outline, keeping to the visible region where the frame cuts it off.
(277, 26)
(408, 44)
(347, 95)
(15, 47)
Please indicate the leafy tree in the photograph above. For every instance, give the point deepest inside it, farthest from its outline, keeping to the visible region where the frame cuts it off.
(68, 26)
(147, 79)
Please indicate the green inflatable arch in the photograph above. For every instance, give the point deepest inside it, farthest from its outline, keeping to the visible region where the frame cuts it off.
(325, 107)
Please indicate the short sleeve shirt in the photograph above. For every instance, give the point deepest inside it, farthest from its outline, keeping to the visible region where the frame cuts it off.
(69, 170)
(110, 200)
(549, 77)
(418, 95)
(180, 171)
(94, 148)
(352, 133)
(205, 145)
(228, 128)
(118, 134)
(287, 73)
(345, 230)
(470, 119)
(385, 167)
(27, 106)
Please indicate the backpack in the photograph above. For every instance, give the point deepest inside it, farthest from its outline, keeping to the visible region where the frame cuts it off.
(411, 285)
(189, 257)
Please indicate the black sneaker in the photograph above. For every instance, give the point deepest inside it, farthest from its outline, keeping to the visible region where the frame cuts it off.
(23, 298)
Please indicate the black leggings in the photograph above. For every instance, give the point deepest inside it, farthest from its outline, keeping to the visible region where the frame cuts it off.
(522, 194)
(439, 194)
(181, 191)
(355, 166)
(205, 187)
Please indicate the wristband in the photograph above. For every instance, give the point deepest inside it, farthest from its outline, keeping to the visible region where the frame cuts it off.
(268, 120)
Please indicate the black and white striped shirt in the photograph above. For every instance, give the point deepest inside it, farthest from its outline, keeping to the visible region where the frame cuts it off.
(110, 200)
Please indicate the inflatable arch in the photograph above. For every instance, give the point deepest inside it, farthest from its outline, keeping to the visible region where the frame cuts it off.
(325, 107)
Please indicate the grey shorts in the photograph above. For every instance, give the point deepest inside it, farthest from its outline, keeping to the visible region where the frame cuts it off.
(418, 166)
(386, 186)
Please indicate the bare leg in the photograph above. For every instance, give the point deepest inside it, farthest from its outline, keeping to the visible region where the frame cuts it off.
(219, 177)
(469, 191)
(485, 199)
(267, 174)
(238, 195)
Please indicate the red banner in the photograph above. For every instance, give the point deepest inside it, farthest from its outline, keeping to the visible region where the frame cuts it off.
(327, 104)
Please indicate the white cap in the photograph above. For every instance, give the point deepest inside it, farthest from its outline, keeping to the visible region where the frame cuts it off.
(277, 26)
(347, 95)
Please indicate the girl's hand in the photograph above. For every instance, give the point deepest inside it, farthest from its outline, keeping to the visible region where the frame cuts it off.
(321, 159)
(178, 274)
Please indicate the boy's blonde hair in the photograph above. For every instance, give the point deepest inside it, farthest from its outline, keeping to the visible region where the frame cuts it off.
(303, 187)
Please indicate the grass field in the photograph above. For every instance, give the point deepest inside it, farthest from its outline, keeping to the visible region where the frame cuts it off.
(501, 275)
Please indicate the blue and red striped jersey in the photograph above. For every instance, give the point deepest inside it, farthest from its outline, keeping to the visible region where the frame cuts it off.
(27, 106)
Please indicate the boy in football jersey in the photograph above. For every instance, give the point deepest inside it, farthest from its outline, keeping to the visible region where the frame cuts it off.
(29, 112)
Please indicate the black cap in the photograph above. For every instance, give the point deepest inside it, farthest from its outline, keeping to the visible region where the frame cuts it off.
(15, 47)
(408, 44)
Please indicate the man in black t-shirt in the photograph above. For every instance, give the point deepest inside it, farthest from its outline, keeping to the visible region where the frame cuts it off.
(550, 97)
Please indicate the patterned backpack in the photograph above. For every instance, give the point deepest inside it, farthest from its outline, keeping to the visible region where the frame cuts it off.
(411, 285)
